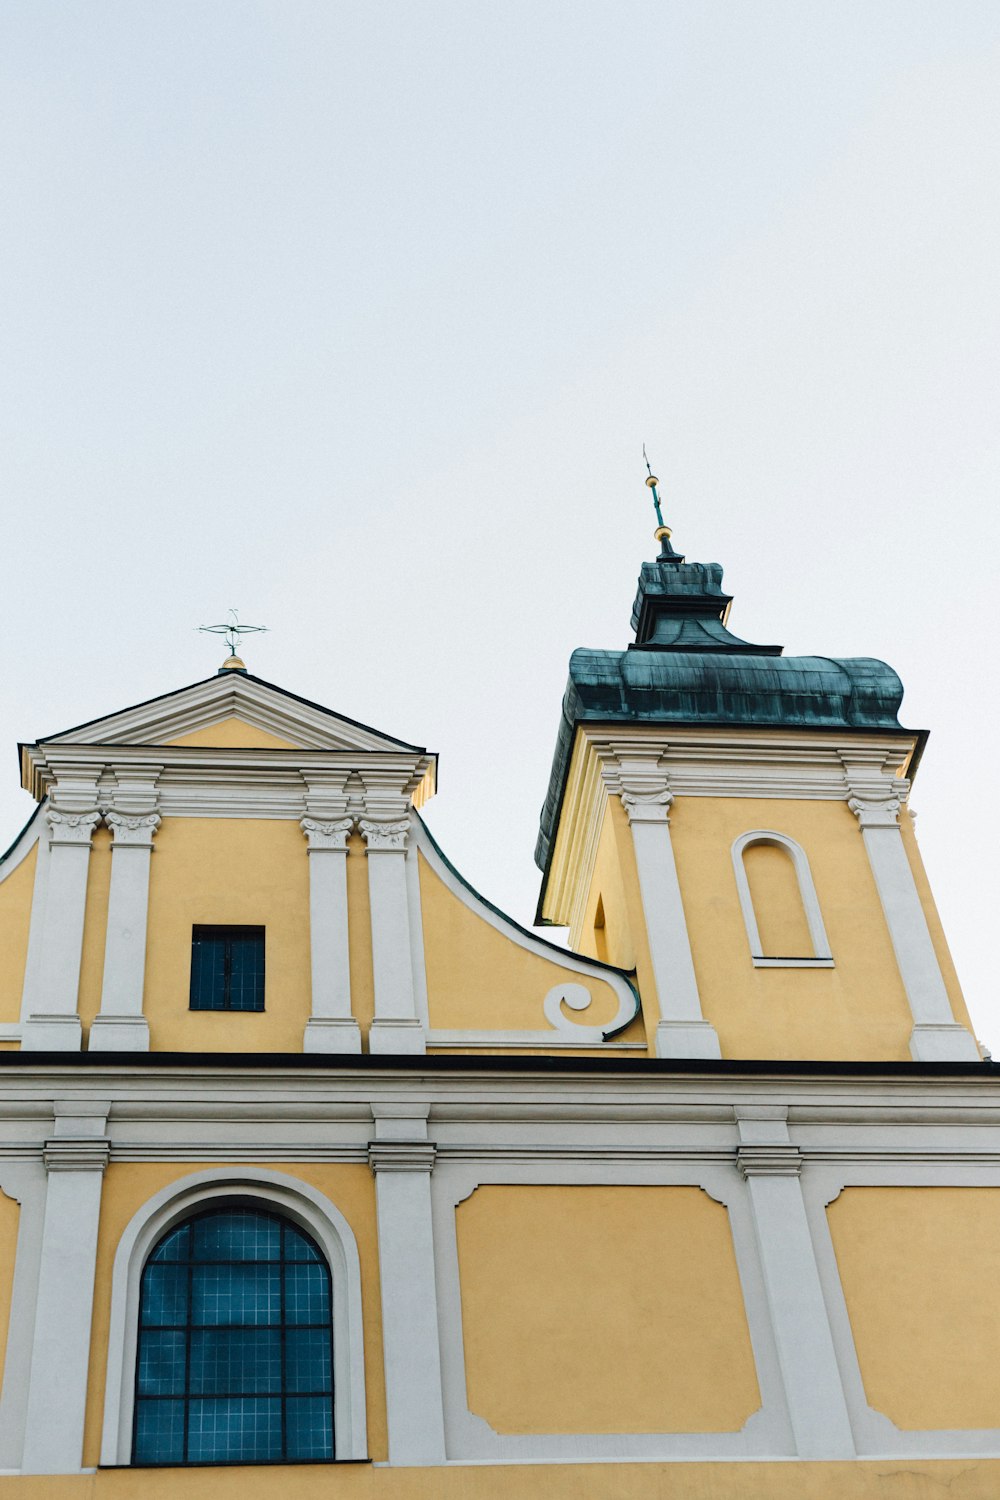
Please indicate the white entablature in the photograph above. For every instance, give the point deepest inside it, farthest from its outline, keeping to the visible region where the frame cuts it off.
(131, 761)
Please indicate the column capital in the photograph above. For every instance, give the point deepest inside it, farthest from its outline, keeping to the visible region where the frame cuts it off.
(873, 812)
(324, 834)
(401, 1156)
(75, 1154)
(132, 830)
(640, 781)
(769, 1161)
(72, 827)
(385, 837)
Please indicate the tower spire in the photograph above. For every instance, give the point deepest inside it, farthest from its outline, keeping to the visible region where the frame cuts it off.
(662, 533)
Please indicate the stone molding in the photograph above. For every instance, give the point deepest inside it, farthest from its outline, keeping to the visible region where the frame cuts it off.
(769, 1161)
(325, 836)
(385, 837)
(75, 1154)
(401, 1156)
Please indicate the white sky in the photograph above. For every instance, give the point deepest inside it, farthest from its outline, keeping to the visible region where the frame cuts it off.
(357, 316)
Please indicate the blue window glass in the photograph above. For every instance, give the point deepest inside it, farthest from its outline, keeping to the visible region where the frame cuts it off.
(235, 1356)
(227, 968)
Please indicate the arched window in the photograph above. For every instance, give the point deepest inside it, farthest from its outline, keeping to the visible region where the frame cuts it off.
(235, 1344)
(779, 902)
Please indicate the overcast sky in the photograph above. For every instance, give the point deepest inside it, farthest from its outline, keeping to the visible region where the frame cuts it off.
(356, 316)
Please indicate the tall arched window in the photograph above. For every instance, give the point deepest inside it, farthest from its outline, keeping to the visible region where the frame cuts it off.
(779, 903)
(235, 1351)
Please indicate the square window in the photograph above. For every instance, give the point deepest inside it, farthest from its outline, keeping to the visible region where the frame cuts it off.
(227, 968)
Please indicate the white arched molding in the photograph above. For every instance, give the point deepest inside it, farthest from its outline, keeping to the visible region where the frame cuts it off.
(821, 957)
(304, 1206)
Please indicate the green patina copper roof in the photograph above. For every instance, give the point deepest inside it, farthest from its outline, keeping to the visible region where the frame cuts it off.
(686, 667)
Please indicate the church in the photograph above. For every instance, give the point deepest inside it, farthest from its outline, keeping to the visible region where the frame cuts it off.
(320, 1174)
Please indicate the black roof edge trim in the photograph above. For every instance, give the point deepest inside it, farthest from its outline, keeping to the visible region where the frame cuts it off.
(34, 814)
(364, 1062)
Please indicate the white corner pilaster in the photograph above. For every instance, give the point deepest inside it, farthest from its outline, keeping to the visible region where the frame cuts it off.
(402, 1158)
(51, 1021)
(770, 1164)
(331, 1026)
(75, 1159)
(936, 1035)
(120, 1025)
(397, 1026)
(645, 793)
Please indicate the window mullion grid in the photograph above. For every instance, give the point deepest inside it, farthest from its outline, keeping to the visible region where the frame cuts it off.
(281, 1335)
(227, 974)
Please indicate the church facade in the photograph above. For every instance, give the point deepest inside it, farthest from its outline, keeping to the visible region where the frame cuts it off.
(318, 1171)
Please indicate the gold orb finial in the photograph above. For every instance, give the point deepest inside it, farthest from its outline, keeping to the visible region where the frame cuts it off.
(233, 664)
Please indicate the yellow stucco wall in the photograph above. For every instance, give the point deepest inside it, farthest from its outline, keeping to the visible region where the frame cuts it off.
(359, 936)
(918, 1266)
(777, 902)
(603, 1309)
(856, 1010)
(479, 979)
(607, 893)
(127, 1186)
(886, 1479)
(233, 734)
(252, 871)
(15, 916)
(10, 1216)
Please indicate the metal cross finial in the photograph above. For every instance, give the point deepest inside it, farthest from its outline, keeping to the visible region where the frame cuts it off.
(651, 483)
(233, 631)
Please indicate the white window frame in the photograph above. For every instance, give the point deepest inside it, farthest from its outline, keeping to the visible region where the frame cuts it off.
(302, 1205)
(822, 956)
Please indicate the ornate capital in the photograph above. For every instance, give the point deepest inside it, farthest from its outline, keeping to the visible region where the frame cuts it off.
(769, 1161)
(323, 835)
(83, 1154)
(647, 805)
(401, 1156)
(883, 813)
(132, 830)
(387, 837)
(71, 828)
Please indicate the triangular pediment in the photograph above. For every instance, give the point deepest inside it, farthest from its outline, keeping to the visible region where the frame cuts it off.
(230, 711)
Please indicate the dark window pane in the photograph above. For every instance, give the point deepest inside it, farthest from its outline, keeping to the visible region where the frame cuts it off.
(236, 1361)
(159, 1432)
(309, 1427)
(307, 1360)
(223, 1295)
(227, 968)
(297, 1247)
(307, 1294)
(164, 1295)
(241, 1429)
(162, 1363)
(246, 976)
(241, 1235)
(174, 1246)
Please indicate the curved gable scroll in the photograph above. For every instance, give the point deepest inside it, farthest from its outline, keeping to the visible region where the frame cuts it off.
(298, 1202)
(821, 956)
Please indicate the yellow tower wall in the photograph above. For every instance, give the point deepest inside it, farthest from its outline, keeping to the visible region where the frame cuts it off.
(16, 892)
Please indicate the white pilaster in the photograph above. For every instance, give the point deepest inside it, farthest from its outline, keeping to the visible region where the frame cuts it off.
(402, 1158)
(75, 1159)
(682, 1030)
(52, 1022)
(770, 1165)
(936, 1035)
(331, 1026)
(120, 1025)
(397, 1026)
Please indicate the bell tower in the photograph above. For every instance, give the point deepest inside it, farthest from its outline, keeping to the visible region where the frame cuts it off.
(733, 822)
